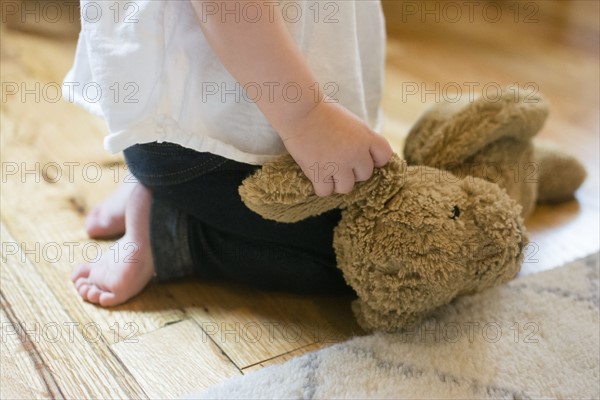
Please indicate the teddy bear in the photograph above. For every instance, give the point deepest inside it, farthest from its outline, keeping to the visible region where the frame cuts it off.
(414, 237)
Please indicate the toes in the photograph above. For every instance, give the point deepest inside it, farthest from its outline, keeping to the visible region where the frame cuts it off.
(92, 222)
(84, 289)
(81, 271)
(104, 226)
(88, 291)
(93, 295)
(108, 299)
(80, 282)
(92, 217)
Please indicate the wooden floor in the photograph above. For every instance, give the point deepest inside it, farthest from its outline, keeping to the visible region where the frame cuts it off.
(187, 335)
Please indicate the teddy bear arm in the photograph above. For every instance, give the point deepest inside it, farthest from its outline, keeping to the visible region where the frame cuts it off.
(281, 192)
(559, 174)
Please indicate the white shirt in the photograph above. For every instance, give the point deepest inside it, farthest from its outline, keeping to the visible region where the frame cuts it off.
(147, 69)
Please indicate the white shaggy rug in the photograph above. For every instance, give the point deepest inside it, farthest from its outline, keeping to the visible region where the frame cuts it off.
(535, 337)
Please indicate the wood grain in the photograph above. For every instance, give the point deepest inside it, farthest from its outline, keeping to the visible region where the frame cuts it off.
(22, 372)
(175, 360)
(74, 353)
(251, 326)
(284, 357)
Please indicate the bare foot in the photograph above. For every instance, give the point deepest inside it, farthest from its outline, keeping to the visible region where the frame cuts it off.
(126, 269)
(107, 220)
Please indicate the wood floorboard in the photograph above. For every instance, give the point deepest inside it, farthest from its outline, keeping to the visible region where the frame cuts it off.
(23, 374)
(183, 359)
(73, 352)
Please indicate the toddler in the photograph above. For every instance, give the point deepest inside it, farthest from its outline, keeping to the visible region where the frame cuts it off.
(198, 94)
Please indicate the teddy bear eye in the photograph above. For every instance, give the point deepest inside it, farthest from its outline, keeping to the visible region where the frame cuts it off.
(455, 212)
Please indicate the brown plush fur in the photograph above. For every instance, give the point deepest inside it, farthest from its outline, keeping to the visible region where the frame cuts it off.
(492, 139)
(412, 238)
(397, 243)
(560, 174)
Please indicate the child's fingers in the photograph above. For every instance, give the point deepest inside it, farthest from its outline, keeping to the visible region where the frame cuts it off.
(323, 188)
(364, 170)
(343, 181)
(381, 151)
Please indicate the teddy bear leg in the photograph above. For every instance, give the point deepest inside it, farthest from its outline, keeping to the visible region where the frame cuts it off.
(559, 174)
(371, 319)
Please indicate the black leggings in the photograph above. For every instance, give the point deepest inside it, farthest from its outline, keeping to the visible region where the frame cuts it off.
(199, 226)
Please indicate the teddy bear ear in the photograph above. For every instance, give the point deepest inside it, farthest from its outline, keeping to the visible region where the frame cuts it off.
(449, 133)
(280, 191)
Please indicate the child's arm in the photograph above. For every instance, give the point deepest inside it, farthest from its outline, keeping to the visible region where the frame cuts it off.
(324, 138)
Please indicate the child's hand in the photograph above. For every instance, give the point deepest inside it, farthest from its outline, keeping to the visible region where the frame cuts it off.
(335, 148)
